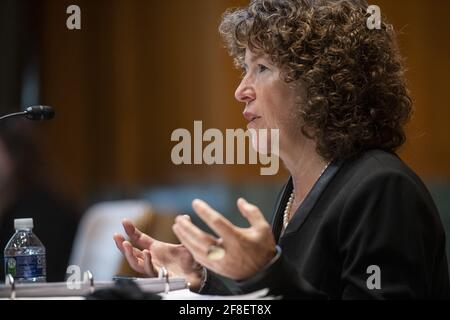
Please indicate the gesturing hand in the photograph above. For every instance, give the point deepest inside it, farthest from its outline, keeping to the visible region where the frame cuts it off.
(147, 255)
(247, 251)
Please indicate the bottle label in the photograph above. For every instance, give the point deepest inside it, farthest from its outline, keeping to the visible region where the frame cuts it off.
(24, 267)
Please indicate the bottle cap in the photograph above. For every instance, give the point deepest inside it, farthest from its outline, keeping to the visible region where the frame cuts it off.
(20, 224)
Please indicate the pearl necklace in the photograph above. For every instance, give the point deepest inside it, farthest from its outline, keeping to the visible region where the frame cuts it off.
(288, 210)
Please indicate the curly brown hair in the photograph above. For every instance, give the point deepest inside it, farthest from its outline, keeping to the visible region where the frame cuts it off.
(356, 93)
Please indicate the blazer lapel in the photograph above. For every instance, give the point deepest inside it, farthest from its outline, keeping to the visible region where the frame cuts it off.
(277, 220)
(310, 201)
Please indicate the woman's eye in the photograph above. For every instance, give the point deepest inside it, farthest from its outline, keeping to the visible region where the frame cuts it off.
(262, 68)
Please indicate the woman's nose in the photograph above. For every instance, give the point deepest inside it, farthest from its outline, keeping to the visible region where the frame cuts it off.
(245, 92)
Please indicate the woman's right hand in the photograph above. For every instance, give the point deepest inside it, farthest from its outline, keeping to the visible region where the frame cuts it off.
(146, 255)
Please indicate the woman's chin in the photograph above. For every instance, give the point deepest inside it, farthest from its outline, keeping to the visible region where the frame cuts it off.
(260, 146)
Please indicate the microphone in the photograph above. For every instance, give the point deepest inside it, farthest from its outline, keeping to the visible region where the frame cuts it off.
(38, 113)
(35, 113)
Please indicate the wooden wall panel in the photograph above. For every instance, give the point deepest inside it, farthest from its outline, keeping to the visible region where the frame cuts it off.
(424, 32)
(140, 69)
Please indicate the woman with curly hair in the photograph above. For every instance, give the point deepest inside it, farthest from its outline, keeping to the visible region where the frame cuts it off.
(353, 221)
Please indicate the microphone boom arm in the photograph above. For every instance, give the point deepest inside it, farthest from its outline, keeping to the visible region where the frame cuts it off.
(35, 113)
(17, 114)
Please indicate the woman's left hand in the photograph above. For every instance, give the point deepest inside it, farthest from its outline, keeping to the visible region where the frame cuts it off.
(247, 250)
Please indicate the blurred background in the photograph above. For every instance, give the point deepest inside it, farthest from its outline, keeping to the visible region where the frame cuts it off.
(139, 69)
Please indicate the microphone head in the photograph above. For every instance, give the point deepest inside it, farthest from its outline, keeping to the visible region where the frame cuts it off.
(38, 113)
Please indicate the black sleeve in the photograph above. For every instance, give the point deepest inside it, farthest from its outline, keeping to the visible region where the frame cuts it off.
(391, 222)
(283, 280)
(216, 285)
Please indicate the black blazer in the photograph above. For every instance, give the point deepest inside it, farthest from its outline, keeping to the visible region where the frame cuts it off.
(370, 210)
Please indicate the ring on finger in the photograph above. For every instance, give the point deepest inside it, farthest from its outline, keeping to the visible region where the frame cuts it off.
(215, 252)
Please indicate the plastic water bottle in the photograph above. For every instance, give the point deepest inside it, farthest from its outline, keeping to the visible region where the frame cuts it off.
(25, 254)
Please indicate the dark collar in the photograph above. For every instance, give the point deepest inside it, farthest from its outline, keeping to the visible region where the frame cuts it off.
(307, 205)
